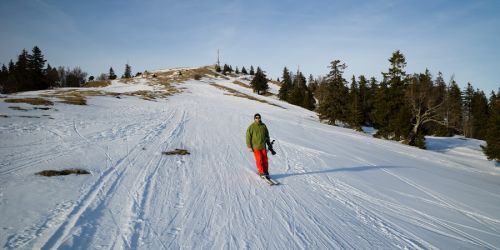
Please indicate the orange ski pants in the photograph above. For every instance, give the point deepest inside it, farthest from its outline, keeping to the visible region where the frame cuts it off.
(261, 160)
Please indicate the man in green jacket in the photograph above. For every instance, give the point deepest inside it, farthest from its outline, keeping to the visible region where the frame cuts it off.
(257, 136)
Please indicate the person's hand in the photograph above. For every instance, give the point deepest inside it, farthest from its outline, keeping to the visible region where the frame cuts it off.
(251, 150)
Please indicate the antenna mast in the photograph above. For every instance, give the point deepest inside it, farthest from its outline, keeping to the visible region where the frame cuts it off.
(218, 62)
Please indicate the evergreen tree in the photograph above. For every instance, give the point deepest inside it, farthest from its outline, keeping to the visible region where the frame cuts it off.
(381, 110)
(128, 71)
(355, 106)
(11, 67)
(286, 85)
(111, 74)
(454, 114)
(237, 71)
(259, 82)
(312, 84)
(467, 110)
(492, 149)
(226, 69)
(332, 95)
(252, 72)
(370, 100)
(217, 68)
(479, 111)
(36, 65)
(399, 120)
(439, 93)
(296, 94)
(52, 76)
(22, 73)
(364, 98)
(4, 74)
(244, 71)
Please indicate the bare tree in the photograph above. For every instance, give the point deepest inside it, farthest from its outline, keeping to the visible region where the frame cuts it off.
(424, 105)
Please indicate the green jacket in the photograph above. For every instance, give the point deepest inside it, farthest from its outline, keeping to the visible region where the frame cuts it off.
(257, 135)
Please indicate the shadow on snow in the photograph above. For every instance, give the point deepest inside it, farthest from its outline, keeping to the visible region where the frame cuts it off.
(326, 171)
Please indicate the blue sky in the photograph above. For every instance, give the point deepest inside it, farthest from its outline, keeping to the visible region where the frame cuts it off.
(459, 38)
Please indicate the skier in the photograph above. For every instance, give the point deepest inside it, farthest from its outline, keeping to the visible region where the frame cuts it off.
(257, 136)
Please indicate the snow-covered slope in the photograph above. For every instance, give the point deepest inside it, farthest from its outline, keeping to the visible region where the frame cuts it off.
(340, 189)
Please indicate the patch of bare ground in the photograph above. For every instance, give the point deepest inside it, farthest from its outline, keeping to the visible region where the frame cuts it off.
(177, 151)
(50, 173)
(32, 101)
(97, 84)
(241, 84)
(236, 93)
(29, 116)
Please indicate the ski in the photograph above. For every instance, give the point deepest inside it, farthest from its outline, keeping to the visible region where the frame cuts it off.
(269, 181)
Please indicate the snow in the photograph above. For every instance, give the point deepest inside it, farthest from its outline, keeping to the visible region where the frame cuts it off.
(341, 189)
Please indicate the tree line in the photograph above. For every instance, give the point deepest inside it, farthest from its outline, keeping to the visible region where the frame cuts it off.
(403, 107)
(30, 73)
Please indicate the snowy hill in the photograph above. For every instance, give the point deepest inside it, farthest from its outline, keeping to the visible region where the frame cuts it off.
(340, 189)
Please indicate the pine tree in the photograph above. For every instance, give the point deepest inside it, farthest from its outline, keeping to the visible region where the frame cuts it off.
(36, 65)
(454, 114)
(286, 85)
(111, 75)
(4, 74)
(364, 98)
(439, 93)
(332, 95)
(296, 93)
(244, 71)
(128, 71)
(252, 72)
(467, 111)
(381, 110)
(492, 149)
(237, 71)
(225, 69)
(479, 111)
(370, 100)
(312, 84)
(355, 106)
(399, 120)
(259, 82)
(22, 74)
(52, 76)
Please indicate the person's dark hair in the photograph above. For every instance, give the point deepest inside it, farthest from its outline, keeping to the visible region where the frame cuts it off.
(255, 116)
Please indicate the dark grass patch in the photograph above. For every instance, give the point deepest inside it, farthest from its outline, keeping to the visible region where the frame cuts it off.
(18, 108)
(177, 151)
(29, 116)
(242, 84)
(50, 173)
(32, 101)
(42, 108)
(73, 100)
(98, 83)
(4, 116)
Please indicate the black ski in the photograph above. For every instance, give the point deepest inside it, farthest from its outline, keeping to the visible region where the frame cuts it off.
(269, 181)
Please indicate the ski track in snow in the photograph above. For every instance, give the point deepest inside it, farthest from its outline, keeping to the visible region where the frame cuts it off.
(333, 192)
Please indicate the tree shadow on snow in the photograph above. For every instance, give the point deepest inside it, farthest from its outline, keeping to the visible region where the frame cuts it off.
(326, 171)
